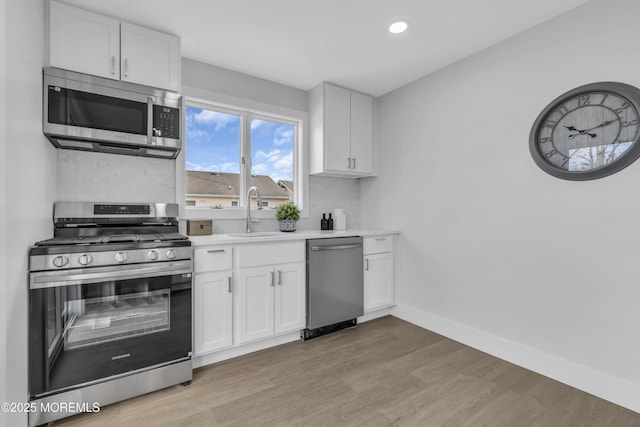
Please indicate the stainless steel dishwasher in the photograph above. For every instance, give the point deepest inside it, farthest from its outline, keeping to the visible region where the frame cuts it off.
(334, 285)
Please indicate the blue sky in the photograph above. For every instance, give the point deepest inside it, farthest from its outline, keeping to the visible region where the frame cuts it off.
(213, 144)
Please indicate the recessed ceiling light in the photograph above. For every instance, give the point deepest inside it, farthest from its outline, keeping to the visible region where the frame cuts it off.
(399, 26)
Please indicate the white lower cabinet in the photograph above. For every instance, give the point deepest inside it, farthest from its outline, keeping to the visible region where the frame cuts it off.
(212, 299)
(213, 311)
(269, 300)
(378, 273)
(247, 292)
(290, 298)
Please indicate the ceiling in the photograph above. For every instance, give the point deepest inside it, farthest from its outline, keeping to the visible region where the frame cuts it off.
(300, 43)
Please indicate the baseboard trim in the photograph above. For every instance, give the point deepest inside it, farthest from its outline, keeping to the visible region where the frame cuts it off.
(600, 384)
(242, 349)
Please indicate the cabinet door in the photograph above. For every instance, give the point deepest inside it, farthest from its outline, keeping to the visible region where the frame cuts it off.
(337, 130)
(213, 303)
(361, 133)
(83, 41)
(290, 300)
(150, 57)
(378, 281)
(253, 308)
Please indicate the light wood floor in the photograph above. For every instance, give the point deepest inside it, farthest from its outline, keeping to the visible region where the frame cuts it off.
(385, 372)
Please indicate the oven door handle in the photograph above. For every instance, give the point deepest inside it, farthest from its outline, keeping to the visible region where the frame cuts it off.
(46, 279)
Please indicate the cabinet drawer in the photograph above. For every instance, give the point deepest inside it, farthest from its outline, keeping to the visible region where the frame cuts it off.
(212, 258)
(376, 245)
(270, 253)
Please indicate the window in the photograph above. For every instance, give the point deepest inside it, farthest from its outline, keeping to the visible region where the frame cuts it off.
(228, 150)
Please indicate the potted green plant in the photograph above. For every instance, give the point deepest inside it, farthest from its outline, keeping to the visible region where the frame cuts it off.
(287, 214)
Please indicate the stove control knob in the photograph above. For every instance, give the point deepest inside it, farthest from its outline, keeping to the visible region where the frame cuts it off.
(153, 255)
(85, 259)
(121, 257)
(60, 261)
(172, 254)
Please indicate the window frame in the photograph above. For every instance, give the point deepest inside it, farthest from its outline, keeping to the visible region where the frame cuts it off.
(249, 109)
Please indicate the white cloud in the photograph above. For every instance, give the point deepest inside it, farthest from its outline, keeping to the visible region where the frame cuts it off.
(256, 123)
(232, 167)
(261, 155)
(260, 169)
(284, 163)
(283, 135)
(221, 120)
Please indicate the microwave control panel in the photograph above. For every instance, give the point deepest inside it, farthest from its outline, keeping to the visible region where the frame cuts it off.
(166, 122)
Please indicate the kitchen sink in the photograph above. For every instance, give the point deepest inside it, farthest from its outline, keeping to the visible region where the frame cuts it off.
(257, 234)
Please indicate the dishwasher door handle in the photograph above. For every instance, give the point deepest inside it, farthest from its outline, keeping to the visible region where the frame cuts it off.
(335, 247)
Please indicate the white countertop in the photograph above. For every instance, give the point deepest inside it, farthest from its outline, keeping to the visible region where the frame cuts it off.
(225, 239)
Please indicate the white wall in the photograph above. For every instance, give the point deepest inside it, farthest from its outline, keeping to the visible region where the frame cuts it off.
(208, 77)
(494, 251)
(30, 172)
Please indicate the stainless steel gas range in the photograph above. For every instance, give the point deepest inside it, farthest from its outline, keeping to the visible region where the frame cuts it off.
(109, 307)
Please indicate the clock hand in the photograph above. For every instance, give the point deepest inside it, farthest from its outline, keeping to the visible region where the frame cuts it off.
(586, 131)
(608, 122)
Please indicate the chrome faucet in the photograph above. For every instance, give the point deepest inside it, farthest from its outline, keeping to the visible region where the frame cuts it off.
(258, 201)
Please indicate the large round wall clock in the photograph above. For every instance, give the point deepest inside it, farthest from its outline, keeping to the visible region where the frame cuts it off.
(589, 132)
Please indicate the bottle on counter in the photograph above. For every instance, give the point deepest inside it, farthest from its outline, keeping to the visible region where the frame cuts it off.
(324, 223)
(340, 219)
(330, 223)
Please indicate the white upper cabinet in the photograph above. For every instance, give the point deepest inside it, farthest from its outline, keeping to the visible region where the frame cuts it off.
(94, 44)
(341, 132)
(83, 41)
(149, 57)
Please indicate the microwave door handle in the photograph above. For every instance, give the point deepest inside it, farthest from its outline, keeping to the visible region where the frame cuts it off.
(150, 132)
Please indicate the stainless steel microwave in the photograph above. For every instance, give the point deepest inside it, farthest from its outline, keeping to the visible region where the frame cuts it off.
(83, 112)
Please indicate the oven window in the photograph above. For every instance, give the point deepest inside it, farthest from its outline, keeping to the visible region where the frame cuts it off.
(110, 317)
(54, 319)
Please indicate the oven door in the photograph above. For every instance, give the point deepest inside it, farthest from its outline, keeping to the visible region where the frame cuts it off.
(89, 325)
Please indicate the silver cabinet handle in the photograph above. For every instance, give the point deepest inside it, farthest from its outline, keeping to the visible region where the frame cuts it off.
(279, 273)
(229, 283)
(335, 247)
(366, 264)
(126, 67)
(348, 162)
(273, 281)
(381, 239)
(113, 64)
(354, 163)
(214, 251)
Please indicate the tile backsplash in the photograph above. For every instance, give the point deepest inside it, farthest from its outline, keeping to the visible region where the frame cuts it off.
(99, 177)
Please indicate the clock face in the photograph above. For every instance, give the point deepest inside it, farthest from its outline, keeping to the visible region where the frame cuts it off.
(589, 132)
